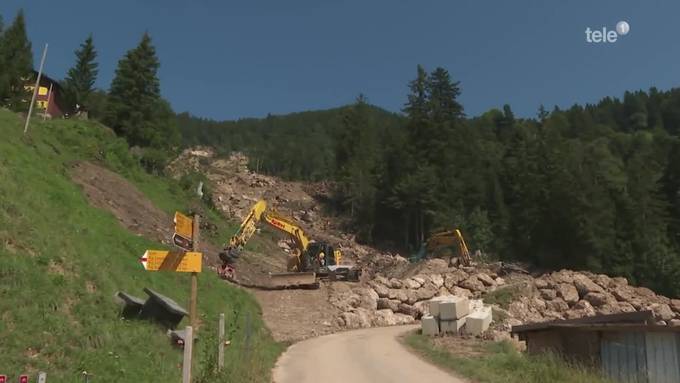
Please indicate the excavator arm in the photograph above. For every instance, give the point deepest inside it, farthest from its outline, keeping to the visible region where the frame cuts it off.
(444, 239)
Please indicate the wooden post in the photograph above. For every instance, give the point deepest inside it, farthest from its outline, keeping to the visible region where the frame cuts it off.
(220, 346)
(188, 346)
(194, 276)
(35, 91)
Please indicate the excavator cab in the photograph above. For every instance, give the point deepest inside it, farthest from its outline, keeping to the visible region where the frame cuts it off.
(320, 255)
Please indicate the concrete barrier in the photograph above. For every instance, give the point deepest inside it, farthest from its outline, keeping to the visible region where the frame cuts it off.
(478, 322)
(452, 326)
(430, 325)
(454, 308)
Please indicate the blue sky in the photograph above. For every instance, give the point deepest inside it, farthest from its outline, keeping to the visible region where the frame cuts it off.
(232, 59)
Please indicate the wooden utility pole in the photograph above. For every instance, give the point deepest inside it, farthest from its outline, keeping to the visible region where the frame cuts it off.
(188, 346)
(194, 276)
(220, 346)
(35, 90)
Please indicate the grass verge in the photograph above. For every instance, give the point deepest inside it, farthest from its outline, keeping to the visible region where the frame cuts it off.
(62, 260)
(500, 363)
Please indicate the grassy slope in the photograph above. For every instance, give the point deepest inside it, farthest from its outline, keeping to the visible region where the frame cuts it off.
(502, 364)
(61, 261)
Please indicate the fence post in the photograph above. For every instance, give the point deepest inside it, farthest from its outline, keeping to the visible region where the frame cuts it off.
(188, 345)
(220, 347)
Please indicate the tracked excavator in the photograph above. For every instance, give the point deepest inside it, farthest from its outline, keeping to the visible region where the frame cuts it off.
(442, 240)
(310, 260)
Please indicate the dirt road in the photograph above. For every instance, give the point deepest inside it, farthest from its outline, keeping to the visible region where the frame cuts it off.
(362, 356)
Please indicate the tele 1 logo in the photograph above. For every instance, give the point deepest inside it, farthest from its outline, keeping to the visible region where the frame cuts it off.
(607, 36)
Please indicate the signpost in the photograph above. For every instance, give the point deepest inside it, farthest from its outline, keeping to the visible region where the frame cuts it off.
(179, 261)
(189, 260)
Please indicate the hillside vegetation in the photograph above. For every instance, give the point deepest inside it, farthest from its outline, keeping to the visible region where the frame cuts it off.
(61, 261)
(591, 187)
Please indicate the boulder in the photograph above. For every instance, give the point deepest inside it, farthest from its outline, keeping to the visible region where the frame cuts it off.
(485, 279)
(585, 306)
(567, 292)
(617, 282)
(423, 308)
(424, 293)
(395, 283)
(603, 280)
(607, 308)
(368, 298)
(541, 283)
(411, 296)
(675, 305)
(390, 304)
(443, 291)
(548, 294)
(409, 310)
(384, 318)
(644, 292)
(537, 303)
(460, 292)
(437, 280)
(499, 281)
(381, 290)
(350, 320)
(473, 284)
(563, 276)
(403, 319)
(411, 283)
(398, 294)
(584, 285)
(557, 305)
(626, 307)
(662, 311)
(599, 299)
(454, 278)
(420, 279)
(623, 294)
(674, 322)
(365, 316)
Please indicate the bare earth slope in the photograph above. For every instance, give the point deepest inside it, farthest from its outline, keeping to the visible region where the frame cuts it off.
(362, 356)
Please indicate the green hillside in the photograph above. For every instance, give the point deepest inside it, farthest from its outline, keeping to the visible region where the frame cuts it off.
(61, 262)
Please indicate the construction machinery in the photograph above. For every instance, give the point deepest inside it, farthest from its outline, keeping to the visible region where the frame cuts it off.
(441, 240)
(309, 260)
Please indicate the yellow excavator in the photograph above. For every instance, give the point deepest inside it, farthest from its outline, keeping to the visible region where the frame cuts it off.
(309, 260)
(441, 240)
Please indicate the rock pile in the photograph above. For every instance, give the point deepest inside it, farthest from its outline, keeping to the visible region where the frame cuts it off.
(568, 294)
(559, 295)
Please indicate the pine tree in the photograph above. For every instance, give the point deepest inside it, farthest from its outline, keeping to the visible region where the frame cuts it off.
(79, 83)
(17, 60)
(135, 109)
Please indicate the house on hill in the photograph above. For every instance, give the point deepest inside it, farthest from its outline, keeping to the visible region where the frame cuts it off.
(50, 97)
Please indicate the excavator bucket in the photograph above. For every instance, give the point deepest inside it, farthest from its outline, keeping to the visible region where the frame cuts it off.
(294, 280)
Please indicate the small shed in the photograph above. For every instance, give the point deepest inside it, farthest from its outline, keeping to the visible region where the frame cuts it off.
(50, 96)
(626, 347)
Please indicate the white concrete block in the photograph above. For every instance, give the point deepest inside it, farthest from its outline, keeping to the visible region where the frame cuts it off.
(433, 305)
(430, 325)
(452, 326)
(478, 322)
(454, 308)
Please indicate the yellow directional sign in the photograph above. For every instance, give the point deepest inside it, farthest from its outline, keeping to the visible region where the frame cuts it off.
(184, 225)
(163, 260)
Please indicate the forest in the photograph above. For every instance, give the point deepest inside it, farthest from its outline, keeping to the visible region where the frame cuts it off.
(594, 186)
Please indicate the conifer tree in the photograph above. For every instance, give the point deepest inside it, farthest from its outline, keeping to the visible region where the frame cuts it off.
(79, 83)
(135, 109)
(17, 64)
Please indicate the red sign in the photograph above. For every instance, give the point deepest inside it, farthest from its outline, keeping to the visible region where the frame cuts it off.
(23, 379)
(3, 378)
